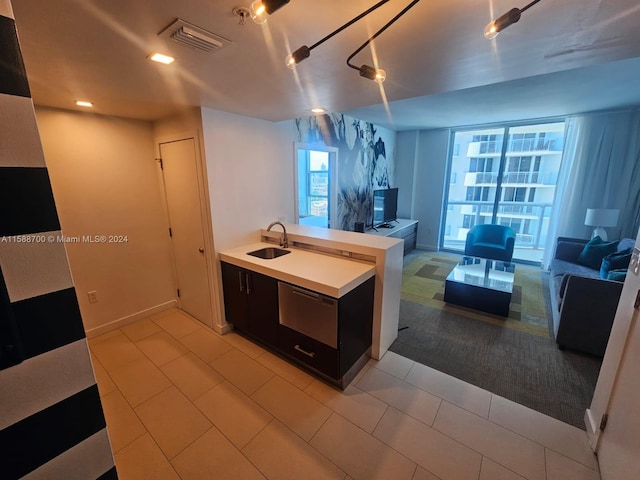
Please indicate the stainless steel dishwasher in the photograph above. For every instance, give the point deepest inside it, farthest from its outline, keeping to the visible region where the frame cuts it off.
(310, 313)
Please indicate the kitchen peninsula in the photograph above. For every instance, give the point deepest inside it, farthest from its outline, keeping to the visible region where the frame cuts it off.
(333, 263)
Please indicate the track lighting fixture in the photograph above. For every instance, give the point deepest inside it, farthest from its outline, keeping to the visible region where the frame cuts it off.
(296, 57)
(376, 74)
(303, 52)
(366, 71)
(261, 9)
(512, 16)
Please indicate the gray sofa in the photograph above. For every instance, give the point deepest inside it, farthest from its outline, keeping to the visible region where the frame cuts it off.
(584, 305)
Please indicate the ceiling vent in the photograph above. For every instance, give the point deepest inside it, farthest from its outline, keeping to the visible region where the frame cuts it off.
(194, 37)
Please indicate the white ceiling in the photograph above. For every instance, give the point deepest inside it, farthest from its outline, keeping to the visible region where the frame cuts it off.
(563, 57)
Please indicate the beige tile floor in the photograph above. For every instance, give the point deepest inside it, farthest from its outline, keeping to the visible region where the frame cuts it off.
(182, 402)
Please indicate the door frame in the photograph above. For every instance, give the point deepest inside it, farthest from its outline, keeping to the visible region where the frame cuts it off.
(333, 179)
(205, 212)
(623, 324)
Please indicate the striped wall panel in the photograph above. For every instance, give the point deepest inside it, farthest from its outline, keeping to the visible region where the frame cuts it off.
(51, 420)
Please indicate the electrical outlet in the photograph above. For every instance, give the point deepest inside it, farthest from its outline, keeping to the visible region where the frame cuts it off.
(93, 296)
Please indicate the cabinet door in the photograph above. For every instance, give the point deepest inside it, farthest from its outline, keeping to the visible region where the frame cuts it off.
(263, 307)
(355, 311)
(315, 354)
(234, 286)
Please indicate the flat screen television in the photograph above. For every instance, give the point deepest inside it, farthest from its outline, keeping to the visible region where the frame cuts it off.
(385, 206)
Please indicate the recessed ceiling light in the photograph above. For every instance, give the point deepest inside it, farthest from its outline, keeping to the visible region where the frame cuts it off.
(319, 110)
(160, 58)
(82, 103)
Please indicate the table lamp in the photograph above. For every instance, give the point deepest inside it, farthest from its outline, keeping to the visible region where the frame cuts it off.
(600, 218)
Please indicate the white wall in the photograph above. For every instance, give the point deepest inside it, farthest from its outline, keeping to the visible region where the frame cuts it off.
(250, 169)
(188, 122)
(405, 171)
(250, 172)
(421, 163)
(104, 180)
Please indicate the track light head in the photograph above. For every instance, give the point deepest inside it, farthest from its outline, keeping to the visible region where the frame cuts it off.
(378, 75)
(296, 57)
(261, 9)
(495, 27)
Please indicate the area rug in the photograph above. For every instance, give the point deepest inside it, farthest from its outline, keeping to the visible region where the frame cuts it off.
(424, 278)
(515, 358)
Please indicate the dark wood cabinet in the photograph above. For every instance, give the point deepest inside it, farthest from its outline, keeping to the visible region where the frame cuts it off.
(355, 324)
(236, 305)
(310, 352)
(251, 303)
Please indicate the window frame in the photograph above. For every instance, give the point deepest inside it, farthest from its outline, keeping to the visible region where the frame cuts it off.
(333, 179)
(541, 141)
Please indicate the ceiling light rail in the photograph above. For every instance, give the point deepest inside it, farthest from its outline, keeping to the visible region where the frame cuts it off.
(377, 74)
(304, 52)
(494, 27)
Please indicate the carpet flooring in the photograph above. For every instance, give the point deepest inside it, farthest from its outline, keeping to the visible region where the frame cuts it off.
(424, 278)
(514, 357)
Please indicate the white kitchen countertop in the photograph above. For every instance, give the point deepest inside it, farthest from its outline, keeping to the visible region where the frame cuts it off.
(326, 274)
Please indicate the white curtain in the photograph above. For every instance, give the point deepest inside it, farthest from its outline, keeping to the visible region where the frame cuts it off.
(564, 187)
(600, 169)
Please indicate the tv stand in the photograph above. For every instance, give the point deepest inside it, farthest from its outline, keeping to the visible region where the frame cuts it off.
(405, 229)
(384, 225)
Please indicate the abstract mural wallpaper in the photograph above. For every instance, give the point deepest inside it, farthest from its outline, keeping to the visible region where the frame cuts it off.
(365, 161)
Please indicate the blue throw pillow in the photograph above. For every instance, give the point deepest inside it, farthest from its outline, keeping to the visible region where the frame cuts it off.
(595, 251)
(617, 275)
(615, 261)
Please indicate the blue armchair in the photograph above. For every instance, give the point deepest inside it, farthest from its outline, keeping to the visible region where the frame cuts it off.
(490, 241)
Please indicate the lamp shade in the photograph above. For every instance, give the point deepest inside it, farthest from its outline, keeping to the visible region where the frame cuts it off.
(602, 217)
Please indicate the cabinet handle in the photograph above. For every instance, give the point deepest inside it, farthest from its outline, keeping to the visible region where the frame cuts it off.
(308, 354)
(240, 281)
(248, 283)
(303, 293)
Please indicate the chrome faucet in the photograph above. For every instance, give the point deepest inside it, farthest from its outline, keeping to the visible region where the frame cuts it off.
(284, 240)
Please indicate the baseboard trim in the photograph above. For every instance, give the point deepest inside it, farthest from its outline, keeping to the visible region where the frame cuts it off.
(121, 322)
(222, 329)
(430, 248)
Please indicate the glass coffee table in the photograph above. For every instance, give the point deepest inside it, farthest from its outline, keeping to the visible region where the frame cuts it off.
(481, 284)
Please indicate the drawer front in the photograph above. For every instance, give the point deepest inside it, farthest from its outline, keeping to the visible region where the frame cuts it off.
(409, 243)
(309, 351)
(404, 232)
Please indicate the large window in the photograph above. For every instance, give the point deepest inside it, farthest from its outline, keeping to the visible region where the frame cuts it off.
(514, 189)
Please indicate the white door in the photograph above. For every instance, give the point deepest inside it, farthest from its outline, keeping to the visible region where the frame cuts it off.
(183, 193)
(619, 443)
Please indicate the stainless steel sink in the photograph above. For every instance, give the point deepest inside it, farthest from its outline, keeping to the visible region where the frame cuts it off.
(269, 253)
